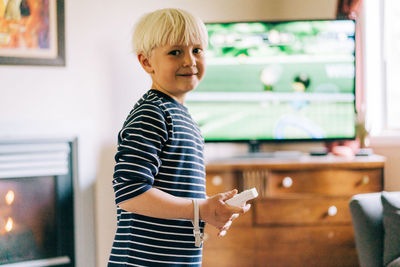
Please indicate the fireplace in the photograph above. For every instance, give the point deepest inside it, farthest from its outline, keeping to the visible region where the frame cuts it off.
(36, 203)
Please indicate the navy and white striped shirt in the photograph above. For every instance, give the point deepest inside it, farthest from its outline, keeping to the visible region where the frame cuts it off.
(159, 146)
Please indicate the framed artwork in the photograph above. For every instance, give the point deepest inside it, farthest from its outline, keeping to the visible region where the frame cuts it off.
(32, 32)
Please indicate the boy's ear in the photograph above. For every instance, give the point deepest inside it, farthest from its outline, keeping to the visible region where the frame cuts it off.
(145, 62)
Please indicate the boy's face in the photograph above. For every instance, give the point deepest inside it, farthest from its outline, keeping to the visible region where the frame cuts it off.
(175, 70)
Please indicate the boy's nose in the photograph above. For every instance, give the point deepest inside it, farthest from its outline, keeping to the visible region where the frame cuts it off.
(189, 60)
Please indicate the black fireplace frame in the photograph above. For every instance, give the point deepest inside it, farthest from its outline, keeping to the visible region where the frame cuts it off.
(64, 206)
(65, 202)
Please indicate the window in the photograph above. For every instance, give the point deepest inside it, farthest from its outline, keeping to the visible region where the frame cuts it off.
(381, 73)
(391, 52)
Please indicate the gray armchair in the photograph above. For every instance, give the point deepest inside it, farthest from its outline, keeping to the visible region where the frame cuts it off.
(367, 213)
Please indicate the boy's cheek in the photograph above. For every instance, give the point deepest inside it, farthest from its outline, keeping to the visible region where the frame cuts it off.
(203, 72)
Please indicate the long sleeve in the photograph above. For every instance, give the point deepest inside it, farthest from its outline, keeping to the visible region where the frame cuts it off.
(138, 157)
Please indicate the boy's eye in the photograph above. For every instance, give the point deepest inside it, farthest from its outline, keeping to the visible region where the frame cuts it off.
(174, 52)
(197, 51)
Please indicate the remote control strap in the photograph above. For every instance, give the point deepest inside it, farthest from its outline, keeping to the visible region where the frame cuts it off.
(198, 237)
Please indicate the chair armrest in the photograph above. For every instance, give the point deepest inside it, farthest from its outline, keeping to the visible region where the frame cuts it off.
(367, 214)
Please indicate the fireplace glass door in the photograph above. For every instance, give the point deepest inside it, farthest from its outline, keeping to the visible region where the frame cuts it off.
(27, 219)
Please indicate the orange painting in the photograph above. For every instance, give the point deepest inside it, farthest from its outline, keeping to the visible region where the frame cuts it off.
(29, 30)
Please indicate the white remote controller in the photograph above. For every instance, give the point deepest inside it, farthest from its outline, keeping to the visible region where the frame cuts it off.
(239, 199)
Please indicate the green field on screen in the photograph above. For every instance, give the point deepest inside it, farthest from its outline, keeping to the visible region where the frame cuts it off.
(273, 120)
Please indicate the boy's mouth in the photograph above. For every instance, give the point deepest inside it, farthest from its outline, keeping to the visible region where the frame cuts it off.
(187, 74)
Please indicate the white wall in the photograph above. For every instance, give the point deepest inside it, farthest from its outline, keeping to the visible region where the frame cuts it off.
(68, 101)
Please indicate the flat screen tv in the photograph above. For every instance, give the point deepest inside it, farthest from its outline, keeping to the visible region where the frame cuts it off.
(277, 81)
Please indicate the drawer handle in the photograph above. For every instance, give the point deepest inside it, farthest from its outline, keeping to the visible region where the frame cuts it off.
(216, 180)
(287, 182)
(332, 211)
(365, 179)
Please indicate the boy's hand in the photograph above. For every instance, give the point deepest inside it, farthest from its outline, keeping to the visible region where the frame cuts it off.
(214, 211)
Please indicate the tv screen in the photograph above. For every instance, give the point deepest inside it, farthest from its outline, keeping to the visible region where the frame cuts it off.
(270, 81)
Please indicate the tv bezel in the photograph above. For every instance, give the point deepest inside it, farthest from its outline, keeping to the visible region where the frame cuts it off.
(258, 141)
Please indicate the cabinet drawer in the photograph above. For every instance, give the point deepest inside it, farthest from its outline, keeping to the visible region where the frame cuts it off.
(330, 182)
(219, 182)
(307, 246)
(301, 211)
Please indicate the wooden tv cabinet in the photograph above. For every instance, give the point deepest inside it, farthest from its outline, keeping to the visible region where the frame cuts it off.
(301, 217)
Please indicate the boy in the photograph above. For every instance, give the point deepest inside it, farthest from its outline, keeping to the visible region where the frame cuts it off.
(159, 178)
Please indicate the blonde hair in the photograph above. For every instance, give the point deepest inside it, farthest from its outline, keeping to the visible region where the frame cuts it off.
(169, 26)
